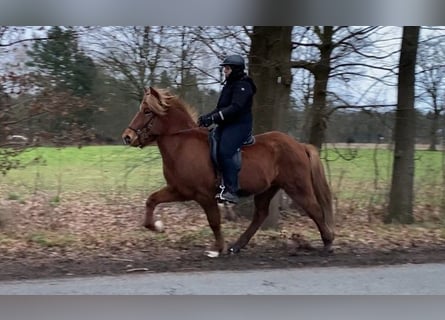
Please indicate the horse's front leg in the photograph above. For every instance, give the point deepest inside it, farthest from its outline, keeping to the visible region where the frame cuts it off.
(166, 194)
(214, 218)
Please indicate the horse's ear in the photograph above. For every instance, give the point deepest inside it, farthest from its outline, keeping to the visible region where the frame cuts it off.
(154, 93)
(146, 90)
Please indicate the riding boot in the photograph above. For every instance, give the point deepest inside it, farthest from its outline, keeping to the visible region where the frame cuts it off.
(229, 186)
(229, 196)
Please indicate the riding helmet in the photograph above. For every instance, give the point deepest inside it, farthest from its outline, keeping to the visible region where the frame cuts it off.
(234, 60)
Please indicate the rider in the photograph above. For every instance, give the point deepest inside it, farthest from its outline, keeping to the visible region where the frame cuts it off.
(233, 116)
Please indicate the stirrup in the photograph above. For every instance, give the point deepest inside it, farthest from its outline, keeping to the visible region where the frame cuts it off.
(232, 199)
(219, 195)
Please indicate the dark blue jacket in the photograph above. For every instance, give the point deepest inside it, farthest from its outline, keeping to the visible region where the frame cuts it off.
(235, 100)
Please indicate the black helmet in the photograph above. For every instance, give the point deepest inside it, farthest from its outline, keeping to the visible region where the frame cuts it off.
(233, 60)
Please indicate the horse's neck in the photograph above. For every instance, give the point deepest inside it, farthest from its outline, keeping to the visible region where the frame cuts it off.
(169, 144)
(172, 147)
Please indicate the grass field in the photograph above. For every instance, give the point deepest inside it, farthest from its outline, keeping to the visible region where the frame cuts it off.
(365, 173)
(358, 173)
(96, 169)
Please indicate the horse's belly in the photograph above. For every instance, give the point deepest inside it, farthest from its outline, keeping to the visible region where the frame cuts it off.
(254, 179)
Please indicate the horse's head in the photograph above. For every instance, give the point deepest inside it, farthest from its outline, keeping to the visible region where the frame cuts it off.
(144, 127)
(160, 114)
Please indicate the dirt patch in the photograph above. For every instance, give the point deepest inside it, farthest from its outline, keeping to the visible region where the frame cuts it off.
(194, 260)
(74, 238)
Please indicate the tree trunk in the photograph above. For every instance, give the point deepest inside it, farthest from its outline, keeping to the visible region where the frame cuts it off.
(321, 72)
(400, 207)
(269, 67)
(433, 130)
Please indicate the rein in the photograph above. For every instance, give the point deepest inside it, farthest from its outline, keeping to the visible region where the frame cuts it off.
(145, 131)
(181, 131)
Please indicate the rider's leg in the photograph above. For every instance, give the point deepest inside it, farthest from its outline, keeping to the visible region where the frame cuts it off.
(231, 139)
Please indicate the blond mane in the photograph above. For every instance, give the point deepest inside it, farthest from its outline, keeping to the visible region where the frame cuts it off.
(168, 100)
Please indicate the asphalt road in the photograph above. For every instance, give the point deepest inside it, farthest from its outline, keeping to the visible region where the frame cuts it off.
(424, 279)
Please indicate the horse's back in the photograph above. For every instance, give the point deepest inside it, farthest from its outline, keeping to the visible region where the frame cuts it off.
(280, 141)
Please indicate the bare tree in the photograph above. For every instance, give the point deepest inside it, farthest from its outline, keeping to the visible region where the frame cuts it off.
(430, 81)
(11, 36)
(401, 195)
(29, 101)
(14, 80)
(132, 54)
(142, 56)
(338, 53)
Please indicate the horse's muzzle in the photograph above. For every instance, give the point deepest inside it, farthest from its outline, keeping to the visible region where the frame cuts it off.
(126, 139)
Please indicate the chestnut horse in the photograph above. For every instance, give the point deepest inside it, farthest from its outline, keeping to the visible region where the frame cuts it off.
(275, 161)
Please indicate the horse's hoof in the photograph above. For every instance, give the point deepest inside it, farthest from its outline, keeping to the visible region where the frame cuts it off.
(326, 252)
(159, 226)
(233, 250)
(212, 254)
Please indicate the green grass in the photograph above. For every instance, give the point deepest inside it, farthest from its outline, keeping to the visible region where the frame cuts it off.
(369, 173)
(118, 169)
(428, 164)
(50, 239)
(13, 196)
(88, 169)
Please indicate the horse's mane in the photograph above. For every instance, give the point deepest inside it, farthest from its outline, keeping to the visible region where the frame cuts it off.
(169, 100)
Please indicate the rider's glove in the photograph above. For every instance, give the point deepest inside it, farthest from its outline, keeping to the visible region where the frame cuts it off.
(208, 119)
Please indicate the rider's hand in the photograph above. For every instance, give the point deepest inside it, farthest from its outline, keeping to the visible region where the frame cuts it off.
(206, 120)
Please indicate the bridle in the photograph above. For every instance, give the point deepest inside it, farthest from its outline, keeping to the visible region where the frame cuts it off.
(145, 131)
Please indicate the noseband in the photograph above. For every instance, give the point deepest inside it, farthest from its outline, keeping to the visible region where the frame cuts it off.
(144, 133)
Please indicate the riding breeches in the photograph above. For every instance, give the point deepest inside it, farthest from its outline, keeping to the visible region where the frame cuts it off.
(230, 138)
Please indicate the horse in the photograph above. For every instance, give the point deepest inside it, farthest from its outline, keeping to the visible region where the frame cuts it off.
(275, 161)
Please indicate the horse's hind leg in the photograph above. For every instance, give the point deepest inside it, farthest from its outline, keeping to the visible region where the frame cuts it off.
(308, 202)
(262, 202)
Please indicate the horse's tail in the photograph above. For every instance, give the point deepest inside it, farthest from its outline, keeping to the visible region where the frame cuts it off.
(320, 185)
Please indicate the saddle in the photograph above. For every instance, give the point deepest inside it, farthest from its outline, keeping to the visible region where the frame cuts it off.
(213, 142)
